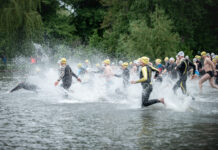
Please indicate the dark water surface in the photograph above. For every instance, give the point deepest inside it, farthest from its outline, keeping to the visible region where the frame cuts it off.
(30, 121)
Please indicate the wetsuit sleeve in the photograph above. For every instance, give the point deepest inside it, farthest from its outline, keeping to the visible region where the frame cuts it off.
(73, 74)
(126, 73)
(62, 73)
(118, 76)
(145, 75)
(156, 71)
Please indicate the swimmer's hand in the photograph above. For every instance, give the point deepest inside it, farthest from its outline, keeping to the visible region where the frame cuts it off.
(133, 82)
(78, 79)
(56, 83)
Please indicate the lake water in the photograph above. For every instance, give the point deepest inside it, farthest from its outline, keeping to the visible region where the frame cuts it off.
(45, 120)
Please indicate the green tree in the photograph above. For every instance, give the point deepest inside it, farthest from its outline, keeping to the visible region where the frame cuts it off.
(21, 23)
(195, 21)
(87, 17)
(156, 40)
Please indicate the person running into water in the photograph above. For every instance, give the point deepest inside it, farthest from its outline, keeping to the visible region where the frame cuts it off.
(167, 64)
(196, 66)
(145, 80)
(99, 68)
(107, 70)
(26, 86)
(66, 74)
(182, 68)
(81, 70)
(125, 75)
(210, 71)
(160, 68)
(215, 61)
(108, 74)
(171, 69)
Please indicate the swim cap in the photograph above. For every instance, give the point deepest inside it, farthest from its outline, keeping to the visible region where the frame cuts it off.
(79, 65)
(125, 64)
(144, 60)
(203, 53)
(172, 59)
(97, 65)
(130, 63)
(158, 61)
(198, 57)
(86, 60)
(107, 61)
(166, 59)
(63, 60)
(181, 53)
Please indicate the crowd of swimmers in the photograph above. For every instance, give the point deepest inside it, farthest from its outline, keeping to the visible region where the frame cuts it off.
(204, 67)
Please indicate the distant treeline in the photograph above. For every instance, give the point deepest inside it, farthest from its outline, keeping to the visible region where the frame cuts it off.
(118, 28)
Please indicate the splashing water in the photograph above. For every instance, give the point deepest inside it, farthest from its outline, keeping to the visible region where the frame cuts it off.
(94, 116)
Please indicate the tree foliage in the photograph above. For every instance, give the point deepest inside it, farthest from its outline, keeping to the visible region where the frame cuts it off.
(119, 28)
(156, 40)
(20, 22)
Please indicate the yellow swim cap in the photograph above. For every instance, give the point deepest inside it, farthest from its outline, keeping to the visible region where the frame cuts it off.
(97, 65)
(166, 59)
(86, 60)
(198, 57)
(144, 60)
(107, 61)
(63, 60)
(158, 61)
(130, 63)
(125, 64)
(203, 53)
(79, 65)
(214, 60)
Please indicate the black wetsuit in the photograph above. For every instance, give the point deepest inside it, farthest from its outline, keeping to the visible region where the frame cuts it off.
(167, 66)
(216, 77)
(26, 86)
(67, 77)
(200, 68)
(145, 80)
(125, 75)
(182, 68)
(172, 71)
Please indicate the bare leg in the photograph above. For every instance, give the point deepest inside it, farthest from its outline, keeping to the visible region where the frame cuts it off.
(203, 79)
(212, 84)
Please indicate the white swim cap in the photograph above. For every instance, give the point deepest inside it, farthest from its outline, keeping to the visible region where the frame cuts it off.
(172, 59)
(181, 53)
